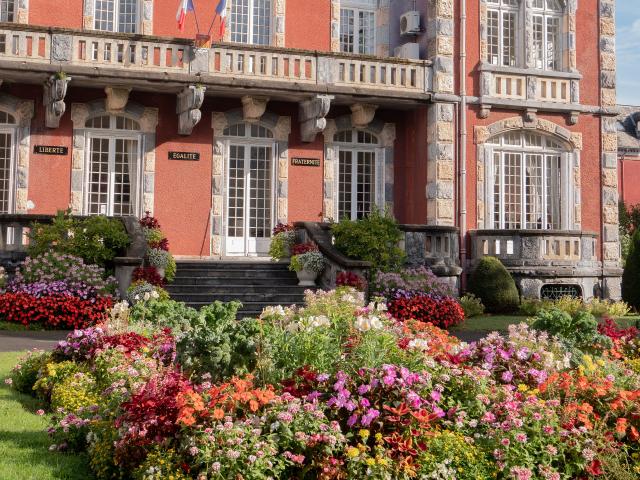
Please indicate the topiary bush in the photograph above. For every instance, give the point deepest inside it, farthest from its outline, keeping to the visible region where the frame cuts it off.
(494, 286)
(631, 275)
(374, 239)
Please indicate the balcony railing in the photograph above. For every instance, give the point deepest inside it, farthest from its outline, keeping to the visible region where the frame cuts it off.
(535, 247)
(145, 54)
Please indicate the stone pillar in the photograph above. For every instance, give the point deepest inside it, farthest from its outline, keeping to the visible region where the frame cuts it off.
(335, 25)
(441, 122)
(279, 23)
(610, 240)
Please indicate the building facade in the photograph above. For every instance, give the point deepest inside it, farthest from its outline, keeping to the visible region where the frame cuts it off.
(493, 119)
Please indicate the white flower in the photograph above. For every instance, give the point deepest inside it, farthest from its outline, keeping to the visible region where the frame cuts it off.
(271, 311)
(419, 344)
(364, 324)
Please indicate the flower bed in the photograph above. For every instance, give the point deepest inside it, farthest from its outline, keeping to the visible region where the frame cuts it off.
(336, 390)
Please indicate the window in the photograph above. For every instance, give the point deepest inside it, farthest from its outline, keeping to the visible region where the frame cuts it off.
(7, 10)
(251, 21)
(357, 31)
(116, 15)
(357, 173)
(7, 149)
(557, 291)
(502, 28)
(113, 166)
(547, 43)
(527, 182)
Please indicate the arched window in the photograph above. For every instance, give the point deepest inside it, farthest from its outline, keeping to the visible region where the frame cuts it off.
(113, 166)
(7, 10)
(120, 16)
(250, 188)
(503, 25)
(547, 39)
(251, 21)
(7, 152)
(528, 174)
(357, 173)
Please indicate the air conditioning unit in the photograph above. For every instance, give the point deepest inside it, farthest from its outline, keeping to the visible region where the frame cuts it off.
(410, 51)
(410, 23)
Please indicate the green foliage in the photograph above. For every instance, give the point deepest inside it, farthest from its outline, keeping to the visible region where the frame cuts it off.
(373, 239)
(171, 269)
(312, 261)
(158, 258)
(96, 239)
(494, 286)
(631, 275)
(53, 374)
(471, 305)
(217, 343)
(164, 313)
(579, 332)
(153, 235)
(281, 244)
(25, 374)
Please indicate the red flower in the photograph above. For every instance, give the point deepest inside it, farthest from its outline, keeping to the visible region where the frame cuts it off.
(351, 279)
(595, 468)
(443, 312)
(304, 248)
(148, 274)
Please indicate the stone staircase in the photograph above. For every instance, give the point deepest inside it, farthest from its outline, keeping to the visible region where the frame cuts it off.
(256, 284)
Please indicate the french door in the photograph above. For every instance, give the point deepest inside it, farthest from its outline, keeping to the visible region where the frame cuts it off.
(250, 200)
(356, 183)
(6, 171)
(113, 175)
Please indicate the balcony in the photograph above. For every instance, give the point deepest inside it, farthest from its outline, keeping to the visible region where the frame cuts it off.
(139, 60)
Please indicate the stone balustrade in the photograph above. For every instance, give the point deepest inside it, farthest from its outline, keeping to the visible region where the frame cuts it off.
(145, 55)
(535, 247)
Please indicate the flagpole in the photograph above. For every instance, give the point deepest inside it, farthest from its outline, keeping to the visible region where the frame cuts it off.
(195, 16)
(212, 22)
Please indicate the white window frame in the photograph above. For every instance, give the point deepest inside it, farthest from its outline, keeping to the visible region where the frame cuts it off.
(247, 141)
(377, 187)
(251, 25)
(4, 9)
(10, 129)
(502, 8)
(356, 10)
(496, 146)
(116, 16)
(113, 134)
(545, 14)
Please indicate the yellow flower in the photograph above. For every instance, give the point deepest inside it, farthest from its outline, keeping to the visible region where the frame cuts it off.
(378, 437)
(352, 452)
(371, 462)
(522, 387)
(364, 434)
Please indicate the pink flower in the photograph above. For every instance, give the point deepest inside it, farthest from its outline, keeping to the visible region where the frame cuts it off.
(505, 441)
(521, 437)
(8, 381)
(40, 412)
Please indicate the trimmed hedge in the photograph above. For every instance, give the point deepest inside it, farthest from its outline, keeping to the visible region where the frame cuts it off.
(631, 275)
(494, 285)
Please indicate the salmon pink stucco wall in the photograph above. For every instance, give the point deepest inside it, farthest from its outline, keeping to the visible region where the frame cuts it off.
(629, 180)
(308, 24)
(63, 13)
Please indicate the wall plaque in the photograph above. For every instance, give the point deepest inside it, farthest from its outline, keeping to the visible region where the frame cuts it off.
(190, 156)
(50, 150)
(306, 162)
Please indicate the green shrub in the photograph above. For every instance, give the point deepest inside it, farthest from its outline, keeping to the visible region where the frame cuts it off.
(312, 261)
(97, 239)
(373, 239)
(579, 332)
(281, 244)
(25, 374)
(631, 275)
(494, 286)
(471, 305)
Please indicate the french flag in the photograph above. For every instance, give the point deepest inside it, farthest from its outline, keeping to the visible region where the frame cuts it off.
(184, 7)
(221, 10)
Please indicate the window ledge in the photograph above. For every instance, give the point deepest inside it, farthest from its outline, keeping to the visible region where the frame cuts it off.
(488, 67)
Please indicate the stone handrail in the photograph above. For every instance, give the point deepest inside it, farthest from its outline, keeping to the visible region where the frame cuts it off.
(434, 246)
(14, 229)
(535, 247)
(142, 55)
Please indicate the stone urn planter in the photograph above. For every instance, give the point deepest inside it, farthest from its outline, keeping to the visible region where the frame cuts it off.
(307, 278)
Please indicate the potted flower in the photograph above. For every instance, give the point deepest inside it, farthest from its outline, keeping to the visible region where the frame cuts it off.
(158, 258)
(307, 262)
(283, 238)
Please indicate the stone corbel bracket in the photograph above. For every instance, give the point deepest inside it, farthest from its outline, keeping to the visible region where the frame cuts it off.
(117, 98)
(55, 91)
(188, 108)
(253, 107)
(312, 116)
(362, 114)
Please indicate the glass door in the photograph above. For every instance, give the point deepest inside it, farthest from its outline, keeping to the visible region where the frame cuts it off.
(6, 171)
(250, 200)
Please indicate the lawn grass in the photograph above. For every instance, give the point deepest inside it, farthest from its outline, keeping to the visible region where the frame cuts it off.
(490, 323)
(18, 327)
(24, 444)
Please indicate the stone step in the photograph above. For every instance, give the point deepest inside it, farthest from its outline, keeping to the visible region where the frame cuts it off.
(213, 281)
(244, 289)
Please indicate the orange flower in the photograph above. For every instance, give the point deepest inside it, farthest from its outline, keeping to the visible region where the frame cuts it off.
(621, 426)
(218, 413)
